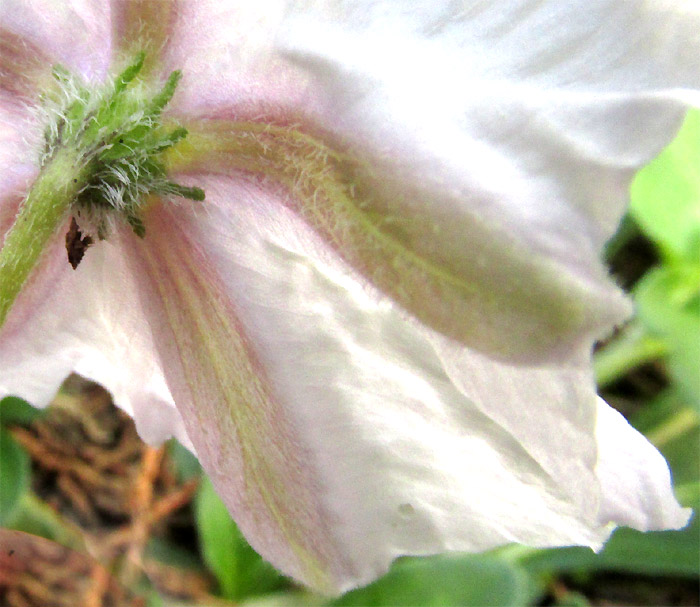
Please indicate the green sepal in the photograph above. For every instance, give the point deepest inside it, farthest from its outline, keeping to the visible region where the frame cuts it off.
(100, 158)
(118, 131)
(137, 225)
(169, 140)
(166, 94)
(191, 193)
(125, 78)
(75, 115)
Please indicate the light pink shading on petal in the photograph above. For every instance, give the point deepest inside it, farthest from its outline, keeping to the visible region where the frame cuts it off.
(225, 51)
(232, 410)
(86, 321)
(18, 158)
(143, 25)
(23, 67)
(75, 33)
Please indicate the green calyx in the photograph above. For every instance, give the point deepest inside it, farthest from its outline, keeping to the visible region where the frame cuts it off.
(117, 136)
(100, 163)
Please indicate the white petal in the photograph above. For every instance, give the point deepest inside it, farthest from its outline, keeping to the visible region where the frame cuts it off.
(379, 439)
(225, 51)
(502, 73)
(74, 33)
(16, 159)
(512, 129)
(86, 321)
(634, 477)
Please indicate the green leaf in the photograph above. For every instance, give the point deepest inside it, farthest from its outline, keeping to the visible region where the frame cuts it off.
(681, 450)
(668, 301)
(168, 552)
(155, 600)
(36, 517)
(656, 413)
(683, 454)
(240, 571)
(673, 426)
(665, 195)
(672, 553)
(14, 410)
(186, 465)
(14, 475)
(446, 581)
(286, 599)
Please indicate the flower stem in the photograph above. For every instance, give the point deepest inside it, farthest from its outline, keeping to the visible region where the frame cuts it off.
(42, 213)
(633, 347)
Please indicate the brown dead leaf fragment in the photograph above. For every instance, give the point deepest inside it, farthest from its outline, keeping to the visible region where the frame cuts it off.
(35, 572)
(112, 490)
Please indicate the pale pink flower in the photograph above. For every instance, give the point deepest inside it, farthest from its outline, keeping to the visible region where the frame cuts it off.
(375, 332)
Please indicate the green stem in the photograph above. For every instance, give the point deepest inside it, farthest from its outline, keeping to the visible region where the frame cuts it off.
(633, 347)
(42, 213)
(676, 425)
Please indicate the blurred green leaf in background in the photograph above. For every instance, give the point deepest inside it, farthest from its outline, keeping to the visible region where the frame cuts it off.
(14, 475)
(665, 202)
(240, 571)
(665, 196)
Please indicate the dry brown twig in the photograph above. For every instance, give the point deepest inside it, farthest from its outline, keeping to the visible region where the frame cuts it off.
(91, 466)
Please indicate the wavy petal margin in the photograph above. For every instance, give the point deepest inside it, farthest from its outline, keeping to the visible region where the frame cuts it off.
(339, 433)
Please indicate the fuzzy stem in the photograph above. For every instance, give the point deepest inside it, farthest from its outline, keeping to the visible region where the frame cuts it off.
(41, 215)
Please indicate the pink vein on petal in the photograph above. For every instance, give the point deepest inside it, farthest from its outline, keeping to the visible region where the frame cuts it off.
(230, 408)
